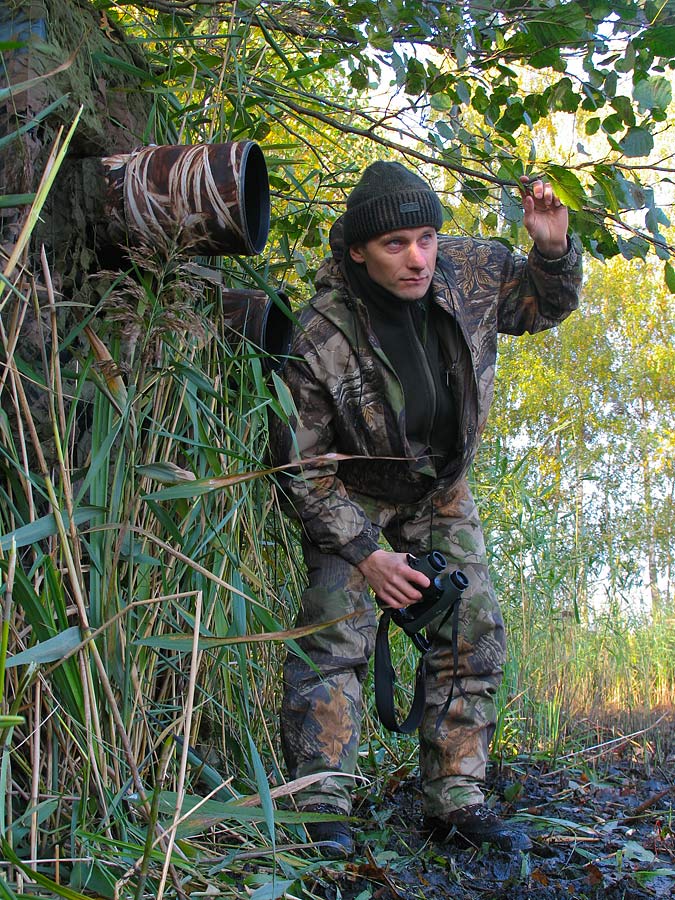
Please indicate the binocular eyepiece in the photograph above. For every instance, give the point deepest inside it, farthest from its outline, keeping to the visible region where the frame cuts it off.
(431, 565)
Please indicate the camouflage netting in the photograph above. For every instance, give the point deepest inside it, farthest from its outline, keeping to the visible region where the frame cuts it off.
(101, 73)
(88, 64)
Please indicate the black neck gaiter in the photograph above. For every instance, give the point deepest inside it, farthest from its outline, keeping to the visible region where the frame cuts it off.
(409, 339)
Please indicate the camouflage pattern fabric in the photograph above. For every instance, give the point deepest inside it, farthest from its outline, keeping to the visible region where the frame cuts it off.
(321, 712)
(349, 400)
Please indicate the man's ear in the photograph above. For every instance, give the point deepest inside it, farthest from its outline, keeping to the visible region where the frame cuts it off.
(356, 253)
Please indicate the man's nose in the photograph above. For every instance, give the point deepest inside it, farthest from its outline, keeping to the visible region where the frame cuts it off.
(416, 258)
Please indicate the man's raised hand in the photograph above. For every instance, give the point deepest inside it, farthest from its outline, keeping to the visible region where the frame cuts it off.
(545, 218)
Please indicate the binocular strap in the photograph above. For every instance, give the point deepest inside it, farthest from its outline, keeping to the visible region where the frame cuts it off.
(454, 611)
(385, 677)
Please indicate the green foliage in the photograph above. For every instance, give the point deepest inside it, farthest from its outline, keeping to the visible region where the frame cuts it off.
(97, 588)
(578, 483)
(472, 92)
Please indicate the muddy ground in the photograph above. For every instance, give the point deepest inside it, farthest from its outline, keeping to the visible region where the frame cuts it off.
(602, 824)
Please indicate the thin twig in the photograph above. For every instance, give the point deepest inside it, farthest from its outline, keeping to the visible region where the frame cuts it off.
(637, 811)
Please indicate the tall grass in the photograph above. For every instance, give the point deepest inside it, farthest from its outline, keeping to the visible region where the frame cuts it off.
(129, 582)
(614, 666)
(145, 566)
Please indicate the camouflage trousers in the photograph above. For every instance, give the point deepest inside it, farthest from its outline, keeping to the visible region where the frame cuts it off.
(322, 706)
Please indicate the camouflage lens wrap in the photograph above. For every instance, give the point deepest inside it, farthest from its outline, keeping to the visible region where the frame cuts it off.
(321, 711)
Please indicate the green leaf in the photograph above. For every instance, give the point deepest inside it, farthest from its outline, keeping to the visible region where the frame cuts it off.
(512, 209)
(10, 200)
(653, 93)
(645, 877)
(613, 123)
(556, 823)
(123, 65)
(201, 486)
(513, 791)
(624, 108)
(670, 277)
(211, 812)
(637, 142)
(263, 787)
(633, 850)
(605, 190)
(10, 721)
(441, 102)
(38, 813)
(132, 549)
(184, 643)
(6, 893)
(567, 186)
(463, 91)
(545, 59)
(358, 80)
(165, 473)
(44, 528)
(273, 890)
(514, 116)
(48, 651)
(475, 191)
(558, 24)
(659, 40)
(39, 117)
(633, 248)
(91, 877)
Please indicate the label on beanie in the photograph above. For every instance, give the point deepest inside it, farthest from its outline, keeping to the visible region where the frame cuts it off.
(409, 207)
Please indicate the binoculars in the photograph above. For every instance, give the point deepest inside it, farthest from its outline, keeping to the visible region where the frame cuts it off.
(443, 592)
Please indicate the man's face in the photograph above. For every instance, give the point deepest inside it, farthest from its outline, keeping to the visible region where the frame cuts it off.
(401, 261)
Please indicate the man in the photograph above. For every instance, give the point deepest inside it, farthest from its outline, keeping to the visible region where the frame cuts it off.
(393, 364)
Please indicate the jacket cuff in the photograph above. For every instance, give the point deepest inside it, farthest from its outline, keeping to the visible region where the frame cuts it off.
(361, 547)
(564, 263)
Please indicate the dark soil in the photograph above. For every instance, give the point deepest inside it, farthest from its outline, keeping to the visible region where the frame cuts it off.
(602, 825)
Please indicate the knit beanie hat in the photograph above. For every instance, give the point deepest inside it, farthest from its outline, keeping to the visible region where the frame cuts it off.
(388, 197)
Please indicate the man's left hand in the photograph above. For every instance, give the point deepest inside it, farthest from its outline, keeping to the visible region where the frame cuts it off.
(545, 218)
(393, 580)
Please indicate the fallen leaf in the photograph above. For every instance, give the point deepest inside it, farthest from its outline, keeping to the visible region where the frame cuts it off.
(593, 874)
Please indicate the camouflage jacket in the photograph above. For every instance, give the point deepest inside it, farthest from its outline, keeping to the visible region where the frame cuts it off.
(348, 399)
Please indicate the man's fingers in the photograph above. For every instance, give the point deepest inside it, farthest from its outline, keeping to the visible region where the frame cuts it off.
(540, 191)
(542, 194)
(400, 593)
